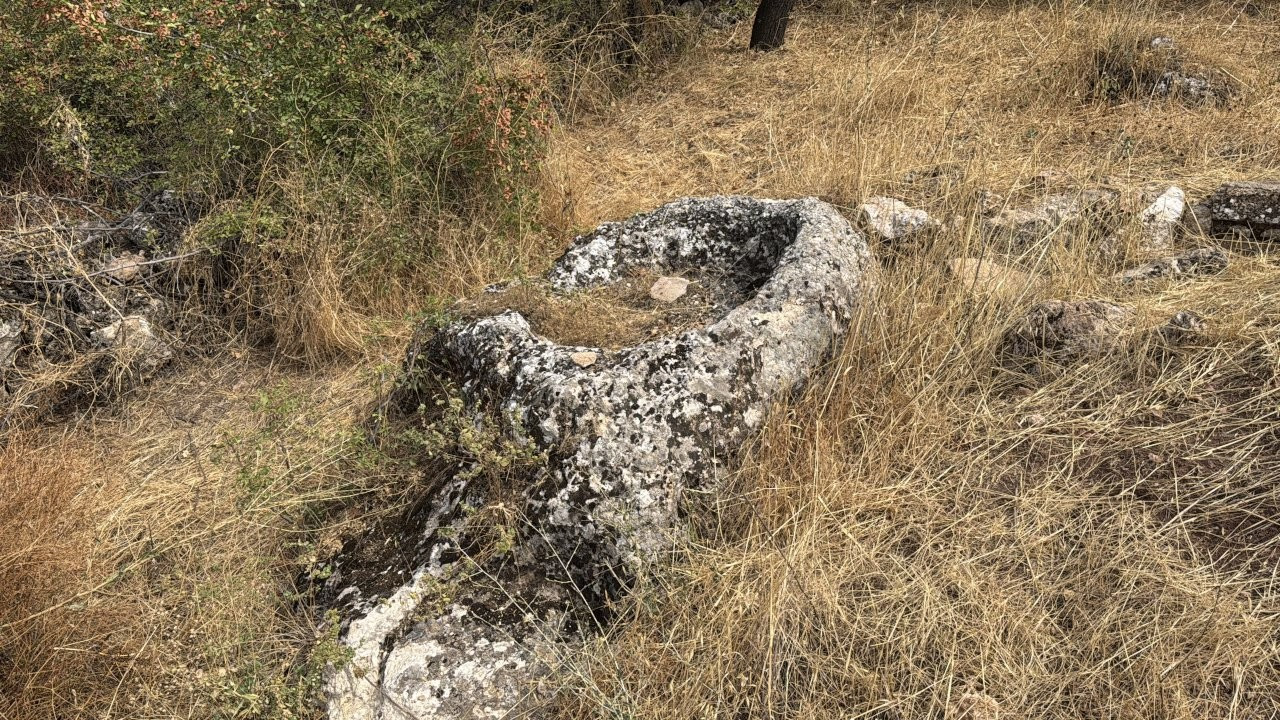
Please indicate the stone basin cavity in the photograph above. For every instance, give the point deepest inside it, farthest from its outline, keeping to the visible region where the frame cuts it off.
(623, 437)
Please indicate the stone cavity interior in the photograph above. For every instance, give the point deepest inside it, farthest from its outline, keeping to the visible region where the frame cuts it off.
(625, 436)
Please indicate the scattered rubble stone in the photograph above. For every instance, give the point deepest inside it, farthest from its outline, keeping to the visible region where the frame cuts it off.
(1027, 226)
(1201, 87)
(1251, 206)
(74, 287)
(893, 220)
(584, 359)
(133, 333)
(1157, 68)
(1065, 331)
(1180, 328)
(623, 440)
(1200, 261)
(124, 268)
(1162, 219)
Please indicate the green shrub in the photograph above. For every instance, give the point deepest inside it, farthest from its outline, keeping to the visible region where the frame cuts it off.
(107, 86)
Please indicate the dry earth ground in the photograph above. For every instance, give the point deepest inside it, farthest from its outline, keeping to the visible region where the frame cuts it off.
(919, 535)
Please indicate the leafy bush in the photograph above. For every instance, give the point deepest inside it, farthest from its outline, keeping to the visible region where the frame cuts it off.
(99, 85)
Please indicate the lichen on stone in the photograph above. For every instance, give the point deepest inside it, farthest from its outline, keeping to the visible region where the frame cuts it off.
(626, 435)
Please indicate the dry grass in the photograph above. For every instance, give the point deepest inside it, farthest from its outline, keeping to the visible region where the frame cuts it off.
(61, 645)
(166, 545)
(923, 534)
(920, 535)
(614, 316)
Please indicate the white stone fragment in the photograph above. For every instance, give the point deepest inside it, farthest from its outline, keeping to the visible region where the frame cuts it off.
(133, 333)
(669, 289)
(893, 219)
(10, 339)
(1161, 219)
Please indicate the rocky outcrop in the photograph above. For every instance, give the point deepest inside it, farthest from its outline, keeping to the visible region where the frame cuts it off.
(91, 298)
(1253, 207)
(624, 436)
(1200, 261)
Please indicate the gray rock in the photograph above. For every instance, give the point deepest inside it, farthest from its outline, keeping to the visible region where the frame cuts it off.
(1200, 261)
(1251, 205)
(133, 335)
(624, 437)
(1065, 331)
(1024, 227)
(893, 220)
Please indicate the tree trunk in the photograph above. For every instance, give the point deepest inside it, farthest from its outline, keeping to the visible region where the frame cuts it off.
(770, 27)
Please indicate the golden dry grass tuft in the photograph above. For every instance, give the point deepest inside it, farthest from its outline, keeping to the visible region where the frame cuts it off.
(62, 645)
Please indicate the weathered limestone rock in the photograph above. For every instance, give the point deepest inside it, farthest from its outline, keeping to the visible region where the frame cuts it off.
(10, 340)
(984, 276)
(1162, 219)
(1024, 227)
(1254, 206)
(669, 289)
(893, 220)
(624, 436)
(459, 661)
(1064, 331)
(1200, 261)
(1181, 328)
(1194, 87)
(133, 334)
